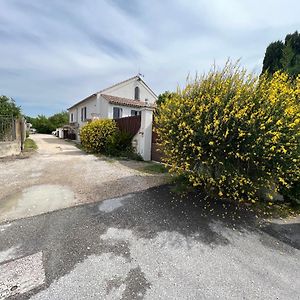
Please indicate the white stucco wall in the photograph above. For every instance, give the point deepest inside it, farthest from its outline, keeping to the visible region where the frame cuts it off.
(91, 106)
(126, 110)
(126, 90)
(143, 139)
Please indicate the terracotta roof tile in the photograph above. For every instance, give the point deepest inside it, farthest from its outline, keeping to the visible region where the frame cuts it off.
(125, 101)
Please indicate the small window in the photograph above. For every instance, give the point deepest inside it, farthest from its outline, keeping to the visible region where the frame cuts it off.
(137, 93)
(72, 118)
(117, 112)
(135, 112)
(83, 114)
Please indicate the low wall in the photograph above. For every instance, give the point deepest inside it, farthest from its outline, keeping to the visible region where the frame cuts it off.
(10, 148)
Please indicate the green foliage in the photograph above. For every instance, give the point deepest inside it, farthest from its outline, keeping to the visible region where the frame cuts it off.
(8, 107)
(104, 137)
(283, 56)
(292, 193)
(99, 136)
(59, 119)
(273, 57)
(163, 97)
(123, 141)
(233, 133)
(155, 168)
(46, 125)
(30, 145)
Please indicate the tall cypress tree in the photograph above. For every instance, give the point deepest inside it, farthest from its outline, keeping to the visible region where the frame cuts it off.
(273, 56)
(283, 56)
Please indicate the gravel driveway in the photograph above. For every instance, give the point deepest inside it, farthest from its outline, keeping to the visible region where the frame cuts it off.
(60, 175)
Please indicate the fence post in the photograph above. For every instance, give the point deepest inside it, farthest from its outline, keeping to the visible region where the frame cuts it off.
(145, 134)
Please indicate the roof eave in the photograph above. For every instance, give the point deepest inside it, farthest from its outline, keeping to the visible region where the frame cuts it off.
(81, 101)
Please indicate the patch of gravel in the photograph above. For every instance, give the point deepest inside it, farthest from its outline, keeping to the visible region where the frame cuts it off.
(91, 178)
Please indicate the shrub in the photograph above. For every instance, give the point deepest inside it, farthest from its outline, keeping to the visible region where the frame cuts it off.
(233, 133)
(99, 136)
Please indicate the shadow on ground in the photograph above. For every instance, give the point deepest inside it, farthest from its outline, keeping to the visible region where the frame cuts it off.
(286, 233)
(68, 236)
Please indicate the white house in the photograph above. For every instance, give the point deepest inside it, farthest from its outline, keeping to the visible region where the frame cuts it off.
(123, 99)
(128, 98)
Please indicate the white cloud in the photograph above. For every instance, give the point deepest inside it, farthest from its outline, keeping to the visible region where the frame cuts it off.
(55, 53)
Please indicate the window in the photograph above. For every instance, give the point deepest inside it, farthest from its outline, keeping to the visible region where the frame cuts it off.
(83, 114)
(72, 118)
(135, 112)
(117, 112)
(137, 93)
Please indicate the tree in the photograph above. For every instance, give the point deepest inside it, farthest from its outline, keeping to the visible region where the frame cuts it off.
(9, 107)
(163, 97)
(283, 56)
(273, 56)
(46, 125)
(59, 119)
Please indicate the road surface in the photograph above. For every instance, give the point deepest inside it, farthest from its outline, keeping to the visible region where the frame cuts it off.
(150, 244)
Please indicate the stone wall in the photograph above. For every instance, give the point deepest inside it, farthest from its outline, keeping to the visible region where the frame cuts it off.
(10, 148)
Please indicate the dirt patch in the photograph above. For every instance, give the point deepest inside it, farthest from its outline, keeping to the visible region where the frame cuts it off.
(61, 164)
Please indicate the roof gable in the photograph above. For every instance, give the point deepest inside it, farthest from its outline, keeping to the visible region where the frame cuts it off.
(127, 81)
(119, 84)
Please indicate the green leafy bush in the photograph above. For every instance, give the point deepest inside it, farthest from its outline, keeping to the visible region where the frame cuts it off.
(99, 136)
(234, 133)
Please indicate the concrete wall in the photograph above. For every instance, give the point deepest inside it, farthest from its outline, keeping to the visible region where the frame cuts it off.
(14, 147)
(142, 141)
(10, 148)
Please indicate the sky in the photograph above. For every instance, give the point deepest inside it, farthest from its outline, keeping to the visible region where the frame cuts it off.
(55, 53)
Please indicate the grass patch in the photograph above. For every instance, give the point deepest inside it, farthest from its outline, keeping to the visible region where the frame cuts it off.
(154, 168)
(30, 145)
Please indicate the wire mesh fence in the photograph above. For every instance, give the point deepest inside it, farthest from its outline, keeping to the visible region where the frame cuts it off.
(7, 128)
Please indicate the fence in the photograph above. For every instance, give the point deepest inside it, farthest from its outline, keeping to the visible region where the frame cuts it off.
(7, 128)
(129, 125)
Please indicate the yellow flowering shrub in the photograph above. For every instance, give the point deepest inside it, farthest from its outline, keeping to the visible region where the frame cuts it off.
(99, 136)
(233, 133)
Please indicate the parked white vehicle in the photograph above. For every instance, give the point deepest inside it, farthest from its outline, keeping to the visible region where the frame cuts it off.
(32, 130)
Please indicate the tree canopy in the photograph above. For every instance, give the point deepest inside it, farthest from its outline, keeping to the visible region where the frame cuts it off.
(164, 96)
(283, 55)
(45, 124)
(8, 107)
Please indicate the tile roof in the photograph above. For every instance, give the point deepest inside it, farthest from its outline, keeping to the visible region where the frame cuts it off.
(112, 86)
(125, 101)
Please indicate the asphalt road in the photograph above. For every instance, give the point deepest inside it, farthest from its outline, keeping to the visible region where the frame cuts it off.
(149, 245)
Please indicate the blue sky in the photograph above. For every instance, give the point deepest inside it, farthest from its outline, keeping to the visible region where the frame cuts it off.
(54, 53)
